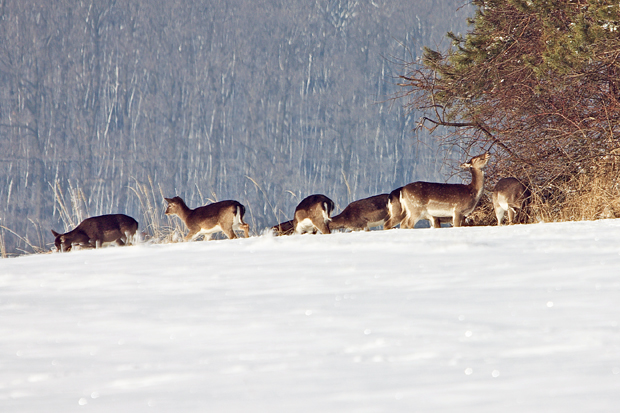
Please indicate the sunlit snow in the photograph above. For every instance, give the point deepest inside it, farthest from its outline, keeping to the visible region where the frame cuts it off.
(484, 319)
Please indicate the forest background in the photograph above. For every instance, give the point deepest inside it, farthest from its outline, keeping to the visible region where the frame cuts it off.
(107, 105)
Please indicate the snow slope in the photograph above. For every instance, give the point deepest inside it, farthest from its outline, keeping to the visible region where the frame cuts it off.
(484, 319)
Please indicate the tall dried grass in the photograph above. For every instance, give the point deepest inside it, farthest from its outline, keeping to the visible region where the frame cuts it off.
(591, 194)
(36, 246)
(152, 227)
(588, 195)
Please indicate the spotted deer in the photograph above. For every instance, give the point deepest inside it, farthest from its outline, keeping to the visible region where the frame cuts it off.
(223, 216)
(437, 201)
(362, 214)
(96, 231)
(509, 195)
(313, 213)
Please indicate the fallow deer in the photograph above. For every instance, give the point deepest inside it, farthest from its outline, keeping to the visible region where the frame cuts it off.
(224, 216)
(362, 214)
(313, 213)
(93, 232)
(509, 195)
(433, 201)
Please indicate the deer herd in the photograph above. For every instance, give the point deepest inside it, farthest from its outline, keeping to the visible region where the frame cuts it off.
(404, 206)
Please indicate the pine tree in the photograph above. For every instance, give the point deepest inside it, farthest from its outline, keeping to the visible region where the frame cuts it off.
(537, 83)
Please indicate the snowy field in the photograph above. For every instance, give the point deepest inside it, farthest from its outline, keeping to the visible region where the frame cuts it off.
(510, 319)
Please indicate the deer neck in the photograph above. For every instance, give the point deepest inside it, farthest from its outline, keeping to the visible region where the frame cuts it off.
(477, 182)
(183, 212)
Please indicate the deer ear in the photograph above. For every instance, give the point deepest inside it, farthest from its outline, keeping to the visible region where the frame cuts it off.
(55, 233)
(169, 200)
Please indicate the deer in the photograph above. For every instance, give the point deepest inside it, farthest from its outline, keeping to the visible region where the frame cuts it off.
(94, 232)
(437, 201)
(509, 195)
(362, 214)
(313, 213)
(224, 216)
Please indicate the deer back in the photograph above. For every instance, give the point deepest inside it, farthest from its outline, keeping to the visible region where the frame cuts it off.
(362, 214)
(217, 213)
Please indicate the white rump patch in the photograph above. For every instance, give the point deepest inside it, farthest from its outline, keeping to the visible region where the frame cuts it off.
(237, 220)
(326, 217)
(304, 225)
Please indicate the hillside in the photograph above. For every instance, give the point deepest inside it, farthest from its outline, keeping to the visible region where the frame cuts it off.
(482, 319)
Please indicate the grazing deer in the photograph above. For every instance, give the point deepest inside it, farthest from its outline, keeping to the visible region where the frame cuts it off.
(283, 228)
(224, 216)
(433, 201)
(93, 232)
(362, 214)
(509, 195)
(313, 213)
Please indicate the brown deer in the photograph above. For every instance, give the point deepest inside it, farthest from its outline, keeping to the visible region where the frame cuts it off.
(362, 214)
(313, 213)
(93, 232)
(434, 201)
(224, 216)
(509, 195)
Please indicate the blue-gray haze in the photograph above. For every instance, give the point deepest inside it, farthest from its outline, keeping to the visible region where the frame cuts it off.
(260, 101)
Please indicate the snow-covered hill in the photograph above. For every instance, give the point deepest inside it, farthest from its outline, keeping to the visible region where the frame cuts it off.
(510, 319)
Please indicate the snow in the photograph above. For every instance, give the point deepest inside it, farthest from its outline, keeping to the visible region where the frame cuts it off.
(482, 319)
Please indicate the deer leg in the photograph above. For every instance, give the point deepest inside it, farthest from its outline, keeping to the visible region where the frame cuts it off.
(191, 235)
(436, 222)
(499, 214)
(457, 219)
(230, 233)
(242, 227)
(323, 227)
(511, 215)
(391, 223)
(128, 238)
(410, 220)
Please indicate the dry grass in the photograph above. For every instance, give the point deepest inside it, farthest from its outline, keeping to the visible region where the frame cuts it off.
(593, 194)
(483, 215)
(72, 208)
(589, 195)
(34, 246)
(152, 227)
